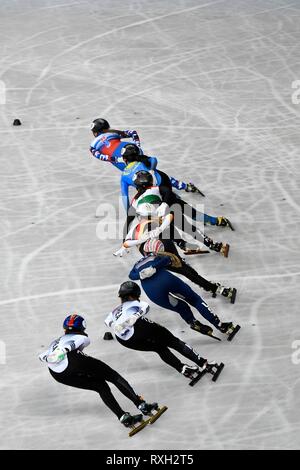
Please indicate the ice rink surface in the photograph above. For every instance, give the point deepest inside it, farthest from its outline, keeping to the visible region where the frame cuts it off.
(209, 87)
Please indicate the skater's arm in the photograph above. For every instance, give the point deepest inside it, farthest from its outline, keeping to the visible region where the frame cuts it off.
(109, 320)
(140, 311)
(148, 269)
(149, 162)
(76, 342)
(124, 192)
(132, 134)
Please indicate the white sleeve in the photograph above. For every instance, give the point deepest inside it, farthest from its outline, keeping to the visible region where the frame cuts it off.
(109, 320)
(144, 307)
(43, 356)
(76, 342)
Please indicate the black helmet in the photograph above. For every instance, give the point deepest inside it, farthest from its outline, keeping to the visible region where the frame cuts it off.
(99, 125)
(142, 179)
(130, 152)
(129, 288)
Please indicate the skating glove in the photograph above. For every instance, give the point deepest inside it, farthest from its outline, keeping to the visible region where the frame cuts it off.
(121, 251)
(154, 233)
(147, 272)
(56, 356)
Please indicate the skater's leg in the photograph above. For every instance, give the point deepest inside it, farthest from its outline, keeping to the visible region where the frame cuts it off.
(159, 289)
(164, 337)
(182, 290)
(80, 379)
(190, 273)
(197, 216)
(111, 375)
(150, 336)
(177, 184)
(109, 400)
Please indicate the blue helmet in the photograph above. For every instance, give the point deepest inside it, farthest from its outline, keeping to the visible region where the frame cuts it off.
(74, 323)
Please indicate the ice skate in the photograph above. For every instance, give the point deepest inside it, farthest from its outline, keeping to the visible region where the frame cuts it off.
(190, 371)
(229, 329)
(147, 408)
(191, 188)
(223, 222)
(203, 329)
(152, 417)
(228, 292)
(129, 420)
(219, 247)
(210, 367)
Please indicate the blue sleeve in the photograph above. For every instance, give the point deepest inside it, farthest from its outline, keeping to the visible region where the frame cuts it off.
(158, 263)
(153, 162)
(134, 274)
(161, 262)
(120, 165)
(124, 192)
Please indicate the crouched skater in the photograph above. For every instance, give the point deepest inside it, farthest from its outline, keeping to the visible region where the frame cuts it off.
(134, 331)
(68, 365)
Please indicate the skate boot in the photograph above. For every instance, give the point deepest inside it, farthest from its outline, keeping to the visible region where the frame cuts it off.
(193, 249)
(191, 188)
(203, 329)
(223, 222)
(225, 327)
(228, 292)
(182, 244)
(189, 371)
(229, 329)
(130, 420)
(147, 408)
(220, 247)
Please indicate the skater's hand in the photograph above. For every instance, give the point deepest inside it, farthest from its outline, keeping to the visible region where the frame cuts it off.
(154, 233)
(56, 356)
(147, 272)
(121, 251)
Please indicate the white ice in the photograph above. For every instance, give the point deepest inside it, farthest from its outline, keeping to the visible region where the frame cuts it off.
(209, 86)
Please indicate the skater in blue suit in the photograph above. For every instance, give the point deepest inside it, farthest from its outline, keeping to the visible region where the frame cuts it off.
(108, 146)
(168, 291)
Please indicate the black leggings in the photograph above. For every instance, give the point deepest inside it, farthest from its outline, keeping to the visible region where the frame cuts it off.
(91, 374)
(150, 336)
(188, 271)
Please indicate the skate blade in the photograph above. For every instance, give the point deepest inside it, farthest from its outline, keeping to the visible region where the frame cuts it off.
(233, 297)
(230, 225)
(200, 192)
(157, 415)
(136, 429)
(218, 372)
(197, 378)
(225, 250)
(214, 337)
(196, 252)
(233, 333)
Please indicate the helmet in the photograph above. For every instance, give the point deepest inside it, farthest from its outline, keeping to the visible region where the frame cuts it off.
(153, 246)
(74, 323)
(130, 152)
(99, 125)
(129, 288)
(142, 179)
(146, 209)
